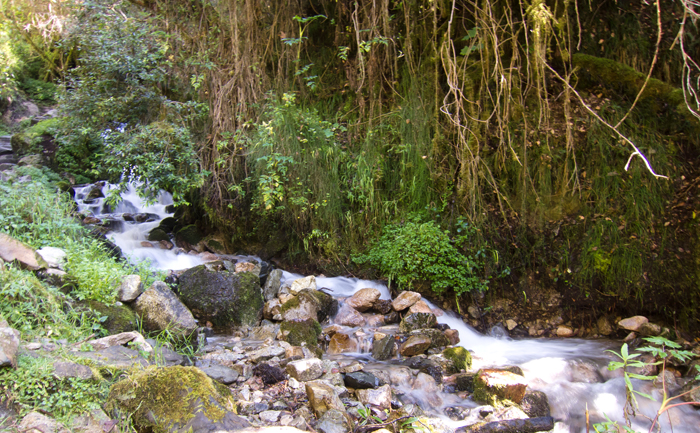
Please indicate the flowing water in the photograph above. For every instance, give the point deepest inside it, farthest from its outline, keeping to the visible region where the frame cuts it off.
(572, 372)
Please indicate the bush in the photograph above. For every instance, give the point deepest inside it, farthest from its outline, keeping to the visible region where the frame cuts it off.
(417, 251)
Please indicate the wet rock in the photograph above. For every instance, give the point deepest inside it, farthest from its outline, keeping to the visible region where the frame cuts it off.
(247, 267)
(405, 300)
(531, 425)
(460, 358)
(382, 306)
(417, 321)
(535, 404)
(301, 332)
(379, 397)
(188, 236)
(11, 249)
(303, 283)
(437, 337)
(374, 320)
(160, 309)
(420, 307)
(492, 386)
(564, 331)
(584, 372)
(269, 374)
(9, 345)
(361, 380)
(383, 348)
(221, 297)
(220, 373)
(323, 397)
(415, 345)
(425, 365)
(691, 392)
(130, 288)
(271, 310)
(305, 369)
(188, 400)
(506, 413)
(334, 421)
(363, 299)
(632, 323)
(452, 336)
(392, 317)
(309, 304)
(36, 422)
(272, 284)
(464, 382)
(341, 342)
(651, 330)
(604, 326)
(348, 316)
(157, 235)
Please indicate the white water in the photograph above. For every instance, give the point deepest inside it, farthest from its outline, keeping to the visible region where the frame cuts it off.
(572, 372)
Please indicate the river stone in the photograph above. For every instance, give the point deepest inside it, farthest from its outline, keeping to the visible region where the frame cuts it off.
(11, 249)
(420, 307)
(304, 370)
(464, 382)
(452, 336)
(361, 380)
(348, 316)
(221, 297)
(535, 404)
(651, 330)
(271, 310)
(269, 374)
(383, 348)
(120, 340)
(309, 304)
(341, 342)
(564, 331)
(188, 236)
(64, 370)
(691, 392)
(604, 326)
(417, 321)
(265, 353)
(492, 386)
(364, 299)
(459, 358)
(53, 256)
(303, 283)
(414, 345)
(187, 400)
(272, 284)
(632, 323)
(382, 306)
(160, 309)
(9, 344)
(157, 235)
(405, 300)
(130, 288)
(247, 267)
(334, 421)
(220, 373)
(301, 332)
(585, 372)
(36, 422)
(437, 337)
(379, 397)
(323, 397)
(428, 366)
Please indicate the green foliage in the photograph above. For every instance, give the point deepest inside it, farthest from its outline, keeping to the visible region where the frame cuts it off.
(415, 251)
(33, 386)
(38, 90)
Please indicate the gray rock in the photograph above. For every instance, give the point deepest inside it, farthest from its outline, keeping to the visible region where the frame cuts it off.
(35, 421)
(272, 284)
(305, 369)
(11, 249)
(415, 321)
(92, 422)
(334, 421)
(380, 397)
(383, 348)
(64, 370)
(361, 380)
(270, 416)
(323, 397)
(265, 353)
(222, 297)
(9, 344)
(118, 357)
(53, 256)
(535, 404)
(130, 288)
(160, 309)
(220, 373)
(303, 283)
(348, 316)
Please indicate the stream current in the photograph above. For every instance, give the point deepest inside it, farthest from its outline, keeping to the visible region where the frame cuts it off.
(571, 372)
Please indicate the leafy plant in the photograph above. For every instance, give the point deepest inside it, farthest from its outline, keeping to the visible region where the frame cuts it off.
(416, 251)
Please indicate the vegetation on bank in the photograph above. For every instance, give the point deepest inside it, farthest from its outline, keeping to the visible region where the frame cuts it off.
(320, 137)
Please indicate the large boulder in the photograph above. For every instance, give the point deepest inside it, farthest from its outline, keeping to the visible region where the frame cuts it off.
(160, 309)
(309, 304)
(174, 399)
(364, 299)
(116, 318)
(222, 297)
(300, 332)
(11, 249)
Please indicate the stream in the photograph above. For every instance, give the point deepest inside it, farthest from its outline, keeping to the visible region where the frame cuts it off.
(572, 373)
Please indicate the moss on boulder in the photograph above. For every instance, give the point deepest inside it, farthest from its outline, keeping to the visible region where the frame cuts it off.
(189, 234)
(224, 298)
(174, 399)
(302, 331)
(120, 318)
(459, 357)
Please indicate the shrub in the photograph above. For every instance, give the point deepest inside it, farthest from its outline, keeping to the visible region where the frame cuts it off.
(417, 251)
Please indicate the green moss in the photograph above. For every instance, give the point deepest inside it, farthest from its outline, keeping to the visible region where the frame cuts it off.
(163, 398)
(28, 141)
(459, 356)
(290, 304)
(303, 331)
(119, 318)
(189, 234)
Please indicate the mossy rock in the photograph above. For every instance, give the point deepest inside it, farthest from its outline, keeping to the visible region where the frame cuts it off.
(174, 399)
(158, 235)
(414, 321)
(189, 234)
(221, 297)
(459, 357)
(120, 318)
(35, 137)
(302, 331)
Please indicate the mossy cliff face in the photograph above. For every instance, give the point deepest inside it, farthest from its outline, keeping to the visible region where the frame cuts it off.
(221, 297)
(173, 399)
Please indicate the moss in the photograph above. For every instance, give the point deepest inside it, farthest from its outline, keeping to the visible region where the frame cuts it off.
(163, 398)
(290, 304)
(27, 142)
(303, 331)
(189, 234)
(120, 318)
(459, 356)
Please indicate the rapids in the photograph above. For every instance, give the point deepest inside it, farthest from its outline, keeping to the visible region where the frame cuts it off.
(572, 372)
